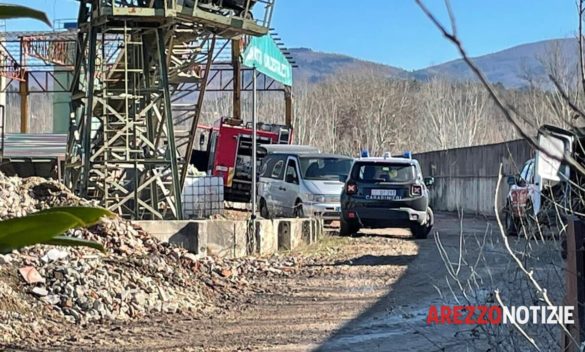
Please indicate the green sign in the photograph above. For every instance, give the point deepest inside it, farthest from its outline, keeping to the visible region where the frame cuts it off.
(264, 55)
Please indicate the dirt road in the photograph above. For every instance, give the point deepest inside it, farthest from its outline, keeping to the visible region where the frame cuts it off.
(373, 295)
(369, 293)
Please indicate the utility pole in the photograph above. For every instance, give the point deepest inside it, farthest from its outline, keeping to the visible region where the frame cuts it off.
(254, 147)
(237, 79)
(575, 284)
(23, 91)
(288, 105)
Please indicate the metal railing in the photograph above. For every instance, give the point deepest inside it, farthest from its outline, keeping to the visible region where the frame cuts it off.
(257, 11)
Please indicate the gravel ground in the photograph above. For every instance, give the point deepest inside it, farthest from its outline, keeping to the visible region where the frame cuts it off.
(46, 293)
(369, 293)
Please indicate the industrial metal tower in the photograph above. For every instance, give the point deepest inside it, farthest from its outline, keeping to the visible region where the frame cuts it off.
(132, 56)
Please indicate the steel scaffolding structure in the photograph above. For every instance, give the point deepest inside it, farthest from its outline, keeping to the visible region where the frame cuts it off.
(201, 55)
(131, 57)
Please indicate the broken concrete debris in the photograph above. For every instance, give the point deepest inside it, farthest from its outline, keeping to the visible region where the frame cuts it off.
(138, 276)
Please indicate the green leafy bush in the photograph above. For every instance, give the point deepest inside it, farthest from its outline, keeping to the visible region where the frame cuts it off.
(9, 11)
(48, 227)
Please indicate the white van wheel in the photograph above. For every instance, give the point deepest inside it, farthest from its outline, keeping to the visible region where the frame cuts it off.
(264, 209)
(298, 212)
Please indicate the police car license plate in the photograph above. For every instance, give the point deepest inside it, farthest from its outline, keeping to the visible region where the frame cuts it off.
(383, 192)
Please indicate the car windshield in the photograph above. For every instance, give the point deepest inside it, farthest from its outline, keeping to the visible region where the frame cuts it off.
(326, 168)
(376, 172)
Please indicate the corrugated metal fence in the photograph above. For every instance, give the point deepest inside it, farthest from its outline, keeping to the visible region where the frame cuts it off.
(466, 178)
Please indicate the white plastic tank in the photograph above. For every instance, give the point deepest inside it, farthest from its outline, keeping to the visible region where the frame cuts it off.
(202, 197)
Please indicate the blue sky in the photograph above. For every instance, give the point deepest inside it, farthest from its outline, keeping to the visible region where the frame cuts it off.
(394, 32)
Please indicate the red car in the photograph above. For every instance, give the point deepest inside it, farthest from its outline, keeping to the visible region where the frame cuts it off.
(523, 200)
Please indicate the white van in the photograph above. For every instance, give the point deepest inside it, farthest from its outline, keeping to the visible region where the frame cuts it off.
(301, 183)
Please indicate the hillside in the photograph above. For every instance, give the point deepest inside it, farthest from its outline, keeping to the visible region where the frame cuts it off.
(315, 66)
(508, 67)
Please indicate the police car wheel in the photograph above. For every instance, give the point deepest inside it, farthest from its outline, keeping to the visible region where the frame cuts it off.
(420, 231)
(347, 230)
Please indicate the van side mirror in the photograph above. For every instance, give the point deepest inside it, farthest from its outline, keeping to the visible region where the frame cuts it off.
(429, 181)
(511, 180)
(521, 182)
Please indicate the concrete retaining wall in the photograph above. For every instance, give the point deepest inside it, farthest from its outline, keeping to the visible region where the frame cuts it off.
(233, 239)
(466, 178)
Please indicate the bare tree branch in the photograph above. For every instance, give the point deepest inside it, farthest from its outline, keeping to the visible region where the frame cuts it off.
(528, 273)
(565, 96)
(499, 103)
(581, 58)
(455, 40)
(451, 17)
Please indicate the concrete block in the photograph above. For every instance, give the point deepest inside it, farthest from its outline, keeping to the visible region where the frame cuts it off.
(321, 229)
(307, 231)
(191, 235)
(232, 239)
(285, 238)
(296, 232)
(201, 238)
(266, 237)
(241, 240)
(311, 230)
(221, 238)
(318, 229)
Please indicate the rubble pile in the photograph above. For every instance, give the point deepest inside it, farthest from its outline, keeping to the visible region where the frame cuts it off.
(19, 197)
(89, 289)
(138, 276)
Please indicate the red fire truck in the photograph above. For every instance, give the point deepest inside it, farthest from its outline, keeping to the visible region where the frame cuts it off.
(228, 153)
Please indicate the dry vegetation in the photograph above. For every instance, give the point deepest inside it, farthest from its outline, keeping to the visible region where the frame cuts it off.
(356, 110)
(537, 273)
(363, 110)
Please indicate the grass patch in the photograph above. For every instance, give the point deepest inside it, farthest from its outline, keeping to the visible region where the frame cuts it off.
(329, 244)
